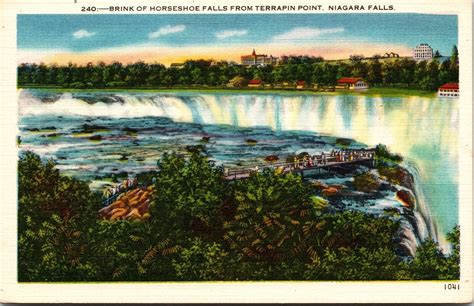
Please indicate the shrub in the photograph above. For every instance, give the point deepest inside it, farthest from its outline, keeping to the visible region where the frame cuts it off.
(366, 182)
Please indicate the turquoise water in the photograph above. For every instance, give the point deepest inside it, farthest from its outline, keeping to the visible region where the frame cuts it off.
(423, 130)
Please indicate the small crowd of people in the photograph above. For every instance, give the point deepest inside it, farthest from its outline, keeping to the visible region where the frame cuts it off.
(119, 187)
(343, 155)
(308, 161)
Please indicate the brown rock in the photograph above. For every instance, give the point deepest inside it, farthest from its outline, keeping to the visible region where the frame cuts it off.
(118, 213)
(133, 203)
(331, 191)
(133, 215)
(337, 186)
(118, 210)
(132, 193)
(144, 197)
(406, 198)
(319, 185)
(143, 207)
(118, 204)
(106, 210)
(271, 158)
(134, 199)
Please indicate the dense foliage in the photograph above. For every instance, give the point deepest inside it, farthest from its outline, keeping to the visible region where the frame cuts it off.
(53, 216)
(402, 72)
(268, 227)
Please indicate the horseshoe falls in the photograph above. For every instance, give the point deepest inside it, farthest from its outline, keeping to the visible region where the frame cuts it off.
(423, 130)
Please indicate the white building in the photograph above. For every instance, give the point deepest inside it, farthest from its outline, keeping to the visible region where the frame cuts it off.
(422, 52)
(255, 59)
(449, 90)
(352, 83)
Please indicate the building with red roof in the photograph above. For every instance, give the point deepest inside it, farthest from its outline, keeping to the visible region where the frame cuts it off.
(449, 90)
(300, 84)
(255, 83)
(352, 83)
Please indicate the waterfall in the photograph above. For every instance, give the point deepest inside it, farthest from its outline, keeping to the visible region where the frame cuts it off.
(423, 130)
(424, 222)
(408, 238)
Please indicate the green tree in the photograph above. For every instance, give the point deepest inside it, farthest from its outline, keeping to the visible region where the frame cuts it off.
(190, 191)
(201, 261)
(374, 73)
(445, 73)
(271, 211)
(453, 261)
(238, 81)
(54, 214)
(391, 72)
(40, 74)
(428, 262)
(330, 73)
(431, 80)
(25, 72)
(137, 74)
(407, 70)
(421, 72)
(454, 65)
(359, 264)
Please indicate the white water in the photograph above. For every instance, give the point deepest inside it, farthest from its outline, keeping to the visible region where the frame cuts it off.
(423, 130)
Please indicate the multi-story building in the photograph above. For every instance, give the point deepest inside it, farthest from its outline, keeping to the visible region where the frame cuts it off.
(422, 52)
(449, 90)
(255, 59)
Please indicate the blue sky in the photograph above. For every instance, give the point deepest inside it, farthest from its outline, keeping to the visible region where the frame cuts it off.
(330, 35)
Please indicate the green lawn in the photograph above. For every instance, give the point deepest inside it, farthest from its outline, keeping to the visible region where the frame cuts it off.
(384, 91)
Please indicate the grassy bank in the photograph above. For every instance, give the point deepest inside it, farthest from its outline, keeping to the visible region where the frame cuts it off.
(376, 91)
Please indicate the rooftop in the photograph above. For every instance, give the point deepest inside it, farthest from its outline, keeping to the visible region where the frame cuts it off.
(255, 82)
(449, 86)
(349, 80)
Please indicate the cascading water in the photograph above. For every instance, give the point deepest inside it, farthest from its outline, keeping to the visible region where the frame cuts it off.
(409, 239)
(423, 130)
(426, 226)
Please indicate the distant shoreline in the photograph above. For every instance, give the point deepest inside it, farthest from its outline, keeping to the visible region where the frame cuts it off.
(375, 91)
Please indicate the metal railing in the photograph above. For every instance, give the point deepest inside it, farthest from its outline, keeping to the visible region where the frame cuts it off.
(308, 163)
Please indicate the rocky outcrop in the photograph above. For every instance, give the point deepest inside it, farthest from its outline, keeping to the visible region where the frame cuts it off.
(366, 182)
(331, 191)
(397, 175)
(95, 138)
(131, 205)
(407, 198)
(319, 185)
(271, 158)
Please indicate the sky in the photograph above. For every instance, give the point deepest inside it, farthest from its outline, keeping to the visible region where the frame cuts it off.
(174, 38)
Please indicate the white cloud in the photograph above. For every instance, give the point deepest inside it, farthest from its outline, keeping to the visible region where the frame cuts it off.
(230, 33)
(82, 33)
(166, 30)
(304, 33)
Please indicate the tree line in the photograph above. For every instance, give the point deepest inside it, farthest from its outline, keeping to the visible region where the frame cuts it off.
(399, 72)
(268, 227)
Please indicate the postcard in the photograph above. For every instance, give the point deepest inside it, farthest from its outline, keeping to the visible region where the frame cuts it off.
(233, 152)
